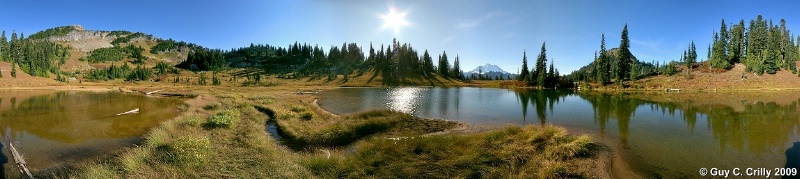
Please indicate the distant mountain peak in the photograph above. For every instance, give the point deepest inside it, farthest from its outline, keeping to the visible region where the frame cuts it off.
(487, 68)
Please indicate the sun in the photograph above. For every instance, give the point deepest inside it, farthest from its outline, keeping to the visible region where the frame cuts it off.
(394, 20)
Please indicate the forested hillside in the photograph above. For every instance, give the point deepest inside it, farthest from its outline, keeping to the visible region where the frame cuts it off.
(762, 46)
(393, 63)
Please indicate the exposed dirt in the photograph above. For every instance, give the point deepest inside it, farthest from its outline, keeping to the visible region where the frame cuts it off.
(23, 79)
(733, 79)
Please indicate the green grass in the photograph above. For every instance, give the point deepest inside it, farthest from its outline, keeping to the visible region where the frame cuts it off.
(224, 119)
(187, 151)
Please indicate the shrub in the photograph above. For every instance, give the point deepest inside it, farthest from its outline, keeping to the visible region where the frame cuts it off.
(298, 109)
(212, 106)
(308, 115)
(188, 151)
(224, 119)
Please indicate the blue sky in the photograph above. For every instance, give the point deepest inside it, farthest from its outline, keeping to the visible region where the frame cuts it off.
(478, 32)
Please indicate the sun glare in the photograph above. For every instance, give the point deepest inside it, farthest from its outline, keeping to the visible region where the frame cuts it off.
(394, 20)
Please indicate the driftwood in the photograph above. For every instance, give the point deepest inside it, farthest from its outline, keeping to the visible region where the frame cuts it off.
(134, 111)
(18, 158)
(305, 92)
(148, 93)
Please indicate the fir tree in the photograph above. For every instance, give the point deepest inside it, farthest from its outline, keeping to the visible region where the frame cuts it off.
(444, 65)
(523, 74)
(541, 65)
(602, 65)
(14, 70)
(624, 57)
(3, 46)
(456, 71)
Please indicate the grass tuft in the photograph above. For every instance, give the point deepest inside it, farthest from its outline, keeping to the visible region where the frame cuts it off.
(308, 115)
(211, 107)
(187, 151)
(224, 119)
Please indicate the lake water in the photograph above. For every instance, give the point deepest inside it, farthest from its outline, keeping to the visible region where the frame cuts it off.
(671, 135)
(51, 128)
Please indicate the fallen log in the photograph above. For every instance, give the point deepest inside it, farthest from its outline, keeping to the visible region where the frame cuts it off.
(18, 159)
(134, 111)
(148, 93)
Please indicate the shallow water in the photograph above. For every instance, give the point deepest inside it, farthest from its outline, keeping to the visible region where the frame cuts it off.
(662, 135)
(51, 128)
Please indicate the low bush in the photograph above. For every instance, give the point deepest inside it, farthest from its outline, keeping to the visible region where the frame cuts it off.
(224, 119)
(187, 151)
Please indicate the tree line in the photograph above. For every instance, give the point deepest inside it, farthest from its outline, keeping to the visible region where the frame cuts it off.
(763, 47)
(112, 72)
(394, 63)
(539, 76)
(33, 56)
(116, 53)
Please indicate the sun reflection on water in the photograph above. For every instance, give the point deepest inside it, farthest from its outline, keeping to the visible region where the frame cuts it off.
(404, 99)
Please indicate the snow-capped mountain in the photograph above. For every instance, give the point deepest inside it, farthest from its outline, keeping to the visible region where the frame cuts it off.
(489, 71)
(486, 68)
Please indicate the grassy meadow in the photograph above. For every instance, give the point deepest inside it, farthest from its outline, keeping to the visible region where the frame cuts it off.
(222, 134)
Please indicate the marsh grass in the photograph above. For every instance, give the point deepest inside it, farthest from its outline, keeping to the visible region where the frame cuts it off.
(309, 132)
(223, 119)
(351, 146)
(512, 152)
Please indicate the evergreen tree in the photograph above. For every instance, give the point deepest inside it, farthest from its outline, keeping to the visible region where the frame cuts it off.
(444, 65)
(756, 45)
(14, 70)
(541, 65)
(456, 71)
(427, 62)
(690, 57)
(624, 57)
(602, 66)
(719, 58)
(773, 57)
(523, 74)
(551, 76)
(736, 46)
(215, 80)
(202, 80)
(3, 47)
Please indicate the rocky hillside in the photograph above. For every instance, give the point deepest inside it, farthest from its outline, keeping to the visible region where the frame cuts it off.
(84, 42)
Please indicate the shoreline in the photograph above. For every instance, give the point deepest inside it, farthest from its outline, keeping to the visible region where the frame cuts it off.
(610, 158)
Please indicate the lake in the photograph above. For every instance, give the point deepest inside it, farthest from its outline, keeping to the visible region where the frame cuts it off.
(51, 128)
(658, 134)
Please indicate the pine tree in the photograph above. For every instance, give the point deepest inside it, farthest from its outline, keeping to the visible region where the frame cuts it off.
(523, 74)
(14, 70)
(736, 47)
(719, 58)
(541, 65)
(756, 44)
(624, 57)
(427, 62)
(202, 81)
(690, 57)
(602, 65)
(444, 65)
(3, 46)
(551, 75)
(456, 71)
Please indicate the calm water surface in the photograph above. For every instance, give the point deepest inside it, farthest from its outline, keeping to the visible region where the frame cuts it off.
(51, 128)
(669, 138)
